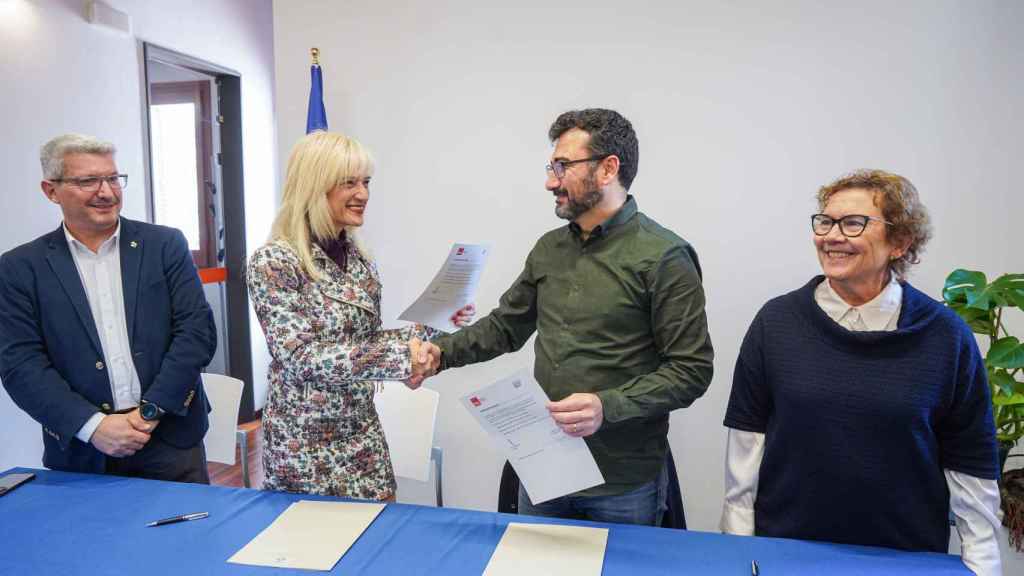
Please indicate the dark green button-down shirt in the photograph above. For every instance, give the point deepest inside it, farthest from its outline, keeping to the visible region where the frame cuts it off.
(621, 315)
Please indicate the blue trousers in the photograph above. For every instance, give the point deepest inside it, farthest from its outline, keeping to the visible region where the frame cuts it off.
(644, 505)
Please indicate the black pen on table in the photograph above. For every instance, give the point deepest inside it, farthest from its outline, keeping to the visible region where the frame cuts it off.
(182, 518)
(754, 571)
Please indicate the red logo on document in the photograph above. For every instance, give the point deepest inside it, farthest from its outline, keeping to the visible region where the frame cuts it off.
(460, 251)
(475, 401)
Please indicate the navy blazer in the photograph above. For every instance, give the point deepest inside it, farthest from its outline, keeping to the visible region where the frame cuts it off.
(51, 360)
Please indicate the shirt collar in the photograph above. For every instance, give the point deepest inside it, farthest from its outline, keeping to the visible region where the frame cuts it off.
(74, 243)
(877, 314)
(625, 212)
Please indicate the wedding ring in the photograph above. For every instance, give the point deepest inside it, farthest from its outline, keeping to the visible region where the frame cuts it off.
(575, 428)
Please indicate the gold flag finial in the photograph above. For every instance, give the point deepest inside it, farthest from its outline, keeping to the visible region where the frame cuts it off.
(315, 52)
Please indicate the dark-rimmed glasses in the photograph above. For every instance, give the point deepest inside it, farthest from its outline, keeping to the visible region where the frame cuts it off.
(557, 167)
(91, 184)
(851, 225)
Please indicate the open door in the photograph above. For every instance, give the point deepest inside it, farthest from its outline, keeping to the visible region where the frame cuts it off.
(194, 182)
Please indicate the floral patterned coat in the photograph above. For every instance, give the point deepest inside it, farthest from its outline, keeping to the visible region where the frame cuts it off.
(321, 434)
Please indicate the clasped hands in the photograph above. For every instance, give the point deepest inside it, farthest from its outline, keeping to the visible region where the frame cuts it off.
(426, 356)
(121, 435)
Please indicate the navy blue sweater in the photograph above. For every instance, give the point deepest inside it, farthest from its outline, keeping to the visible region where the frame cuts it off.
(860, 425)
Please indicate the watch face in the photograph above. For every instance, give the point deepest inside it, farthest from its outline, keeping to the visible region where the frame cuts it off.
(148, 411)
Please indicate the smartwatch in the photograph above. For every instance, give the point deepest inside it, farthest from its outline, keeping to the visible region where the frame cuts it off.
(150, 411)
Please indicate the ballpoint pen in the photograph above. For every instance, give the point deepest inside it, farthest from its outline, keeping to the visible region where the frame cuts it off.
(753, 568)
(182, 518)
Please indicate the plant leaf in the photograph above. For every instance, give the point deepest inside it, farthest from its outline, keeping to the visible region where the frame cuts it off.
(1006, 353)
(1015, 400)
(1011, 288)
(1002, 380)
(980, 321)
(960, 283)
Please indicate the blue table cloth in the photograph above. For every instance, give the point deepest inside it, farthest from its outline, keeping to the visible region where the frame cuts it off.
(70, 524)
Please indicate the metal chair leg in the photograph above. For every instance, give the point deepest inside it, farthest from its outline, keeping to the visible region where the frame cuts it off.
(437, 455)
(243, 448)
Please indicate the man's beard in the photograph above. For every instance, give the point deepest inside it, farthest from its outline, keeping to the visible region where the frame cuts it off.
(573, 209)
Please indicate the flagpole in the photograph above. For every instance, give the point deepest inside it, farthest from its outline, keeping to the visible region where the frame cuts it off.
(315, 53)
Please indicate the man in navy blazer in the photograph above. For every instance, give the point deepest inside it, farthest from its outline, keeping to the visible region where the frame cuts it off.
(104, 329)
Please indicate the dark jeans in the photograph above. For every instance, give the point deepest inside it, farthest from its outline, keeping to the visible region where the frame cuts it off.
(644, 505)
(160, 461)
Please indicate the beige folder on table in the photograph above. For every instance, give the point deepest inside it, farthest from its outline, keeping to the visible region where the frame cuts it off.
(555, 549)
(309, 534)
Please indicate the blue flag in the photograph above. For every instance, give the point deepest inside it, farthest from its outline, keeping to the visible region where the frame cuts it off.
(316, 117)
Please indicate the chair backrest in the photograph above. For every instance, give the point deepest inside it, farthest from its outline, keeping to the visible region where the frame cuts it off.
(408, 418)
(225, 396)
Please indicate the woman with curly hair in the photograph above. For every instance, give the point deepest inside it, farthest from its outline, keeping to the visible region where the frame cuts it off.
(860, 409)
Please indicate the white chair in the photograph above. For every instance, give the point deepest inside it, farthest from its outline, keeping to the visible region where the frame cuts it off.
(408, 418)
(225, 396)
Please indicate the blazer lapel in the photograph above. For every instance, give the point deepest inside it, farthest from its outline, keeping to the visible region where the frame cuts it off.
(131, 248)
(63, 266)
(339, 286)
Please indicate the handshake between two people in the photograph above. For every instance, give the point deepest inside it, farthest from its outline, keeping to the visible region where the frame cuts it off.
(425, 356)
(426, 361)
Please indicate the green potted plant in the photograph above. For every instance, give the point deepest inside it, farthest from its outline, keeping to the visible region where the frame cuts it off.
(982, 305)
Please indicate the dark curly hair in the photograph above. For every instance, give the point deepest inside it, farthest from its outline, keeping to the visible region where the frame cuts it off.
(610, 135)
(900, 204)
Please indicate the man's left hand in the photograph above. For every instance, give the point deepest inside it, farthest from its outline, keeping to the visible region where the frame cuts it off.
(580, 414)
(463, 316)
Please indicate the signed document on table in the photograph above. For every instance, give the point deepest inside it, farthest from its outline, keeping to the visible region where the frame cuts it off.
(309, 534)
(548, 549)
(549, 462)
(454, 286)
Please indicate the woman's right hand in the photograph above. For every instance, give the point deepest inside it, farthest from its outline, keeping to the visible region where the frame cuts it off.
(425, 358)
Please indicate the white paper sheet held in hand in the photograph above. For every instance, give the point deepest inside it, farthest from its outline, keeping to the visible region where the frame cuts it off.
(549, 462)
(453, 287)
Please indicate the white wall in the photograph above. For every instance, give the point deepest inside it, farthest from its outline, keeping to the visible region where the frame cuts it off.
(62, 74)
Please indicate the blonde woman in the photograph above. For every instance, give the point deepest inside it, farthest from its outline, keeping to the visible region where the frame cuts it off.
(317, 294)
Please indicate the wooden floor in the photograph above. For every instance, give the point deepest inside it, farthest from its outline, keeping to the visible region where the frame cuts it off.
(224, 475)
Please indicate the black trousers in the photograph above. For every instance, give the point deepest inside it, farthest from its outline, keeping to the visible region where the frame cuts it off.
(160, 461)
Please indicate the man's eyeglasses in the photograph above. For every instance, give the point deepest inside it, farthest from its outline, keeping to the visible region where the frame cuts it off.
(557, 167)
(851, 226)
(92, 184)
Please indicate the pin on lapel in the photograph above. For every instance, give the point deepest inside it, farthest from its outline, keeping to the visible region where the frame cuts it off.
(134, 244)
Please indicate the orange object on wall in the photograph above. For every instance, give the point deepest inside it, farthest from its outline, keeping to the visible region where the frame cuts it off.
(213, 275)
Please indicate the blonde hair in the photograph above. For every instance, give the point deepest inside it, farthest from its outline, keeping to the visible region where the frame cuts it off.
(318, 163)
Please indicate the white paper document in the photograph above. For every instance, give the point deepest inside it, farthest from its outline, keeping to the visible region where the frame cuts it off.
(454, 286)
(549, 462)
(309, 534)
(548, 549)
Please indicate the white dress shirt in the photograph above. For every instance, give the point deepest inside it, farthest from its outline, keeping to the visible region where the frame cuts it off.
(974, 501)
(100, 273)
